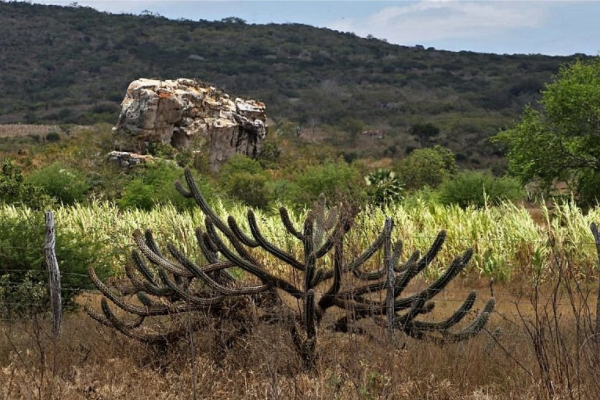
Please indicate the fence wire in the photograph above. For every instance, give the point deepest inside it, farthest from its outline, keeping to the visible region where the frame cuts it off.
(121, 251)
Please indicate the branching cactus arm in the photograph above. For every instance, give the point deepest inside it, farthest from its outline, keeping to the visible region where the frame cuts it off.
(287, 223)
(248, 263)
(261, 241)
(331, 279)
(440, 333)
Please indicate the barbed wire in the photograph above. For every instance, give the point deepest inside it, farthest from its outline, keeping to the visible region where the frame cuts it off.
(63, 273)
(548, 242)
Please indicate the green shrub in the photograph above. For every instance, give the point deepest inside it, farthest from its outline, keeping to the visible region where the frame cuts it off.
(476, 188)
(268, 157)
(52, 136)
(424, 132)
(426, 195)
(66, 185)
(244, 179)
(240, 163)
(154, 184)
(15, 191)
(251, 189)
(427, 167)
(23, 274)
(333, 179)
(587, 193)
(161, 150)
(22, 294)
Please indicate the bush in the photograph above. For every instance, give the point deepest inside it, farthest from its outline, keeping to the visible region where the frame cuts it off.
(244, 179)
(475, 188)
(427, 167)
(15, 191)
(424, 132)
(67, 185)
(333, 179)
(52, 136)
(249, 188)
(587, 193)
(269, 155)
(161, 150)
(23, 275)
(154, 184)
(240, 163)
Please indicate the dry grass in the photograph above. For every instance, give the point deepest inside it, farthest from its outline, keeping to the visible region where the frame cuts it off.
(94, 362)
(17, 130)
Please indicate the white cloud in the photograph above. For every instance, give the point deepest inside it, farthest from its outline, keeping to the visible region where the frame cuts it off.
(431, 20)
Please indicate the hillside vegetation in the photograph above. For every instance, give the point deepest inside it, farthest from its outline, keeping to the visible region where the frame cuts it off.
(72, 65)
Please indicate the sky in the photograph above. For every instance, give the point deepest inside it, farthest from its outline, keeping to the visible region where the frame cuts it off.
(503, 27)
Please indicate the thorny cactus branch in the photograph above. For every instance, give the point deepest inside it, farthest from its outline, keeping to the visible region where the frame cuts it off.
(349, 287)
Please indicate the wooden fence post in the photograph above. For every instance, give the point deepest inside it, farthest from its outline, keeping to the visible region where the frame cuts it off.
(596, 234)
(53, 274)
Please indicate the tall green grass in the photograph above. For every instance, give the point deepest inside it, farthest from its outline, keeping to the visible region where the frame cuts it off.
(508, 242)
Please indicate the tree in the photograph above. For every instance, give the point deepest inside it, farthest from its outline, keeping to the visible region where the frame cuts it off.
(424, 132)
(353, 128)
(427, 167)
(560, 138)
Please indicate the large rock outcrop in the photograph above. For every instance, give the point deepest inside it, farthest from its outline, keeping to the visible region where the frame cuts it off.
(187, 114)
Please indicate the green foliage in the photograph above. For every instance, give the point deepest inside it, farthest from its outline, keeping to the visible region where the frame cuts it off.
(53, 136)
(424, 131)
(22, 294)
(23, 275)
(161, 150)
(268, 157)
(154, 184)
(588, 192)
(251, 189)
(66, 185)
(384, 187)
(353, 127)
(427, 167)
(560, 139)
(333, 179)
(240, 163)
(244, 179)
(14, 189)
(384, 86)
(476, 188)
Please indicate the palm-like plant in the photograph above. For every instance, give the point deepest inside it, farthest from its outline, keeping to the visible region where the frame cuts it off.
(384, 187)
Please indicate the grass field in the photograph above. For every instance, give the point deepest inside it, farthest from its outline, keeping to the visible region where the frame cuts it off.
(509, 241)
(523, 355)
(539, 344)
(17, 130)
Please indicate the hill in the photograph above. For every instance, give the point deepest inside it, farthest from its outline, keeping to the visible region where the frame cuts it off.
(72, 65)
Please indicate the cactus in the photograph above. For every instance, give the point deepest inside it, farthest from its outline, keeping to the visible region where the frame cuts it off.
(173, 285)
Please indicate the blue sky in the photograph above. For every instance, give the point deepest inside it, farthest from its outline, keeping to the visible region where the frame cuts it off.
(503, 27)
